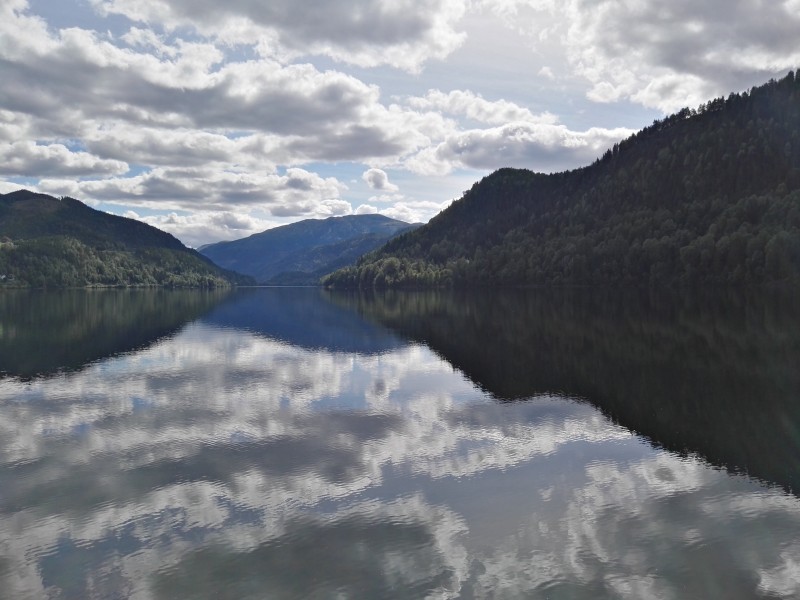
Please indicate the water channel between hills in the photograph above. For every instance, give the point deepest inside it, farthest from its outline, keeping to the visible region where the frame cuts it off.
(297, 443)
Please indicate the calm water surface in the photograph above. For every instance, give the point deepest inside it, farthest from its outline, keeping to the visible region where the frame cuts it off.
(289, 443)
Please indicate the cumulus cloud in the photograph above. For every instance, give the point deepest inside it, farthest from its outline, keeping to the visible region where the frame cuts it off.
(6, 187)
(96, 89)
(297, 192)
(207, 102)
(414, 211)
(377, 179)
(387, 198)
(474, 107)
(28, 159)
(366, 33)
(663, 56)
(547, 73)
(203, 227)
(100, 80)
(540, 147)
(365, 209)
(210, 206)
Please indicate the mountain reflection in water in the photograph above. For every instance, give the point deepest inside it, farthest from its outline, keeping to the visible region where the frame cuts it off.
(714, 373)
(246, 455)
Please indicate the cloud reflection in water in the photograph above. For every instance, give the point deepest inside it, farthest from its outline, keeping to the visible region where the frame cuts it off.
(223, 462)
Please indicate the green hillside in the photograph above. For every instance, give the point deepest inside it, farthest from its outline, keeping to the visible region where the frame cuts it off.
(703, 196)
(47, 242)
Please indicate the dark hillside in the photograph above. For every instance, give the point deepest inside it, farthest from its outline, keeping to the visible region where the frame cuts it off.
(27, 215)
(47, 242)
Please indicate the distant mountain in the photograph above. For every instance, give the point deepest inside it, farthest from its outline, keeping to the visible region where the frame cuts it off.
(302, 252)
(47, 242)
(710, 195)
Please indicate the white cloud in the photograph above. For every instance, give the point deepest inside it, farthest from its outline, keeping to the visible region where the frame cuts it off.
(414, 211)
(377, 179)
(547, 73)
(663, 56)
(297, 193)
(209, 101)
(27, 159)
(365, 209)
(367, 33)
(6, 187)
(476, 108)
(387, 198)
(97, 90)
(203, 227)
(540, 147)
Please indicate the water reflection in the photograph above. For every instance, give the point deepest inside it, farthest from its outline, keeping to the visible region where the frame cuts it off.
(713, 373)
(42, 333)
(301, 317)
(225, 461)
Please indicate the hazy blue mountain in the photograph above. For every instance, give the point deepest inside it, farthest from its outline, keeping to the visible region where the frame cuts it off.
(705, 196)
(300, 253)
(51, 242)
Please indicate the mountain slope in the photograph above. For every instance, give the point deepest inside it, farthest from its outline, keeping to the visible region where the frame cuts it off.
(64, 243)
(301, 252)
(704, 196)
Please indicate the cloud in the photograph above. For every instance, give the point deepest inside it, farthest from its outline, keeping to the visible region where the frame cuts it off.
(414, 211)
(387, 198)
(208, 102)
(98, 90)
(547, 73)
(6, 187)
(663, 56)
(203, 227)
(365, 209)
(540, 147)
(474, 107)
(377, 179)
(297, 193)
(27, 159)
(104, 81)
(367, 33)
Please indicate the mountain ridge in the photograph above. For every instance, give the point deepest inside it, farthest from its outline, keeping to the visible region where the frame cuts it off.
(47, 241)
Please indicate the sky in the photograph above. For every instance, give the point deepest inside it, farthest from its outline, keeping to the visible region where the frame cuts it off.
(216, 120)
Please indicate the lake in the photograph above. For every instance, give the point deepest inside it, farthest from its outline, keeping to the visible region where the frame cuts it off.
(297, 443)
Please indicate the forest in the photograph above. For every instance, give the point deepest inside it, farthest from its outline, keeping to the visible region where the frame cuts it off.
(49, 242)
(704, 196)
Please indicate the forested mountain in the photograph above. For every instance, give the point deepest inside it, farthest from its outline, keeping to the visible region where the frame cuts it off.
(710, 195)
(302, 252)
(47, 242)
